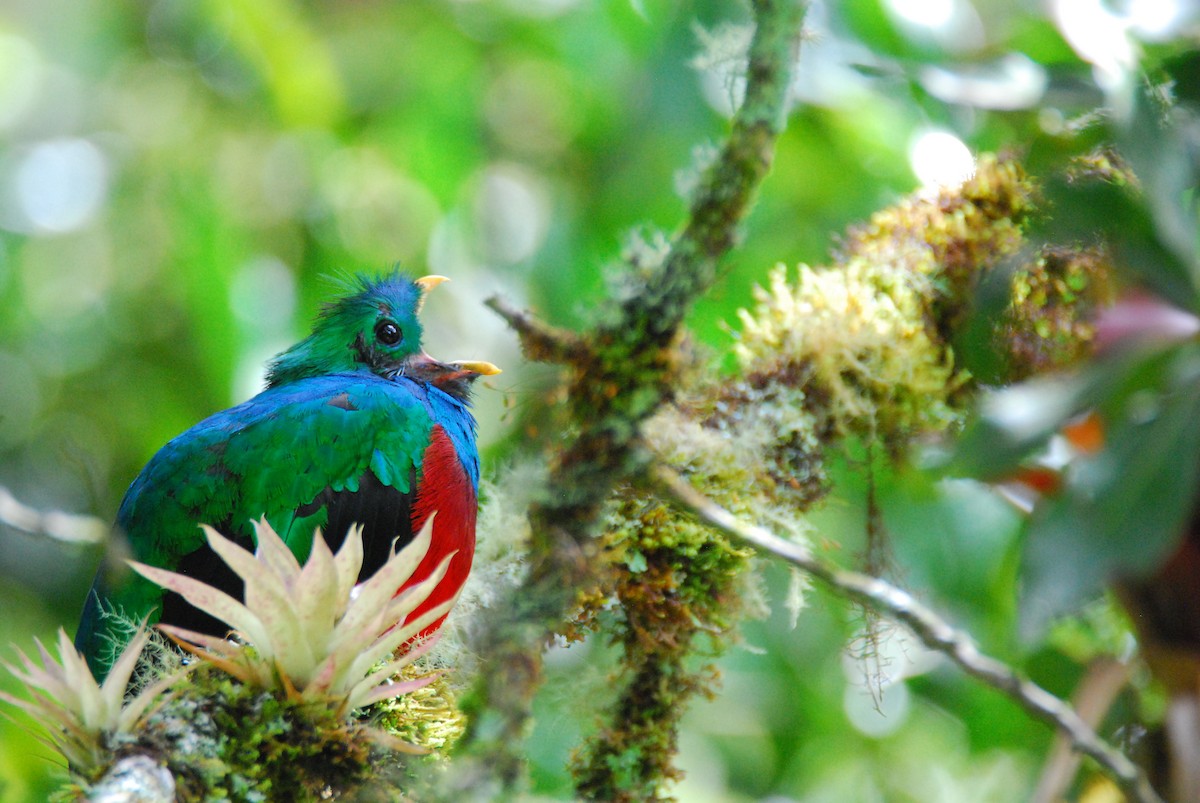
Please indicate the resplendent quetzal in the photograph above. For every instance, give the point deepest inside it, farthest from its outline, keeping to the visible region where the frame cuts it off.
(357, 425)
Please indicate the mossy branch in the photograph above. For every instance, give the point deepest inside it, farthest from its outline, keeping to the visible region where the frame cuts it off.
(933, 631)
(540, 341)
(620, 378)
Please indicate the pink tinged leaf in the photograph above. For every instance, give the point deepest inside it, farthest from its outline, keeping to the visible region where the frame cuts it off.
(389, 691)
(387, 630)
(30, 707)
(47, 712)
(389, 642)
(323, 679)
(1142, 318)
(210, 600)
(27, 705)
(315, 597)
(131, 714)
(346, 645)
(113, 689)
(214, 644)
(52, 677)
(42, 707)
(64, 738)
(273, 551)
(365, 685)
(78, 677)
(375, 593)
(352, 642)
(270, 597)
(414, 597)
(263, 588)
(225, 661)
(286, 643)
(348, 562)
(35, 677)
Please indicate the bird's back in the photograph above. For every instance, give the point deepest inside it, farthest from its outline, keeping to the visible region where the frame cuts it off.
(326, 451)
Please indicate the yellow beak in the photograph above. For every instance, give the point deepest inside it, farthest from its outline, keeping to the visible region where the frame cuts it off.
(477, 367)
(427, 283)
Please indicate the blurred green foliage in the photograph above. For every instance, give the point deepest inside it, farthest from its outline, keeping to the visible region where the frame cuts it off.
(176, 178)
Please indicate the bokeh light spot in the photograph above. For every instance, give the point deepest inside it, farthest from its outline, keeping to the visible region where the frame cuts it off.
(60, 184)
(926, 13)
(940, 159)
(512, 213)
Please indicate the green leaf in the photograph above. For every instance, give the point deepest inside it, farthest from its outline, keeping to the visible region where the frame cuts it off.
(1123, 509)
(1145, 235)
(635, 561)
(1015, 422)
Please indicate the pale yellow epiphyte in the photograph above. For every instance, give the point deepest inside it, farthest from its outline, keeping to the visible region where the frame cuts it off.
(308, 629)
(77, 711)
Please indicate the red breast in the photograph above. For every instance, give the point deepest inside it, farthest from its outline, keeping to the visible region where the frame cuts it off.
(446, 489)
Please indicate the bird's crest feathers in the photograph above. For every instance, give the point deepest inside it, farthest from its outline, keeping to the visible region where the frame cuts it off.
(372, 325)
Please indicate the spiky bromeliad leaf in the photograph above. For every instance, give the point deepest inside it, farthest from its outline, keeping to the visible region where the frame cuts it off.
(76, 709)
(308, 629)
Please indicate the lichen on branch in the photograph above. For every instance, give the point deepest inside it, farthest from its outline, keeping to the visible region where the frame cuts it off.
(861, 350)
(620, 378)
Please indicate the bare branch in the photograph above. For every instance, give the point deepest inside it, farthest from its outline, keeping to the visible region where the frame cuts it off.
(934, 631)
(66, 527)
(540, 341)
(1103, 681)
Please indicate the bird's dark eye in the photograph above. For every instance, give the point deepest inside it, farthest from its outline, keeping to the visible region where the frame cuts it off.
(387, 333)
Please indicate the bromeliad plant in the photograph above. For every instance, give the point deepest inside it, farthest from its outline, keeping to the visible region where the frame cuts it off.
(65, 694)
(309, 630)
(307, 634)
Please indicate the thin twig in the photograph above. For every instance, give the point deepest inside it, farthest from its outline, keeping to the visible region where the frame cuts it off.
(934, 631)
(66, 527)
(540, 341)
(1102, 682)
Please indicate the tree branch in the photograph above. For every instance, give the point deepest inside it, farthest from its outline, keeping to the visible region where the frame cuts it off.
(540, 341)
(66, 527)
(933, 631)
(622, 375)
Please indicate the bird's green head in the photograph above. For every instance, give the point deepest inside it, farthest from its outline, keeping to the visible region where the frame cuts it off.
(375, 326)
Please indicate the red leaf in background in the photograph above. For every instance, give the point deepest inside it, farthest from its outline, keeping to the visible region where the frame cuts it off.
(1140, 318)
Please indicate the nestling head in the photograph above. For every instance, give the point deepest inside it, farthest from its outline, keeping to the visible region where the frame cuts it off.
(375, 326)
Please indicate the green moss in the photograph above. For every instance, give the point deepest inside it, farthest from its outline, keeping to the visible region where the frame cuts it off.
(1049, 323)
(855, 352)
(428, 718)
(867, 339)
(224, 740)
(677, 613)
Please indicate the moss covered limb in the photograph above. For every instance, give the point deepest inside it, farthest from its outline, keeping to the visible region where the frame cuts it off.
(621, 378)
(678, 599)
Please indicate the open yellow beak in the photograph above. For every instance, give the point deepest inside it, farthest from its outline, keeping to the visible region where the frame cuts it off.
(477, 367)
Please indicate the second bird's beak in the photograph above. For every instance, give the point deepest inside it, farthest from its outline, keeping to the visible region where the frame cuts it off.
(454, 378)
(477, 367)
